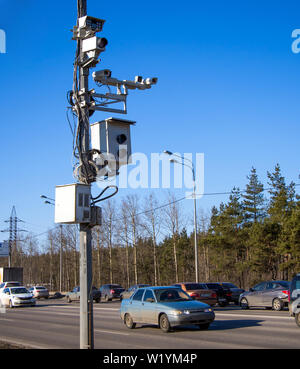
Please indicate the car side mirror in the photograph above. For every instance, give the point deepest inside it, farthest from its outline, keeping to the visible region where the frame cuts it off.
(251, 289)
(150, 299)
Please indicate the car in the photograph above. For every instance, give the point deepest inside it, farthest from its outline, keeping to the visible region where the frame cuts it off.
(294, 297)
(166, 307)
(9, 284)
(269, 294)
(39, 291)
(16, 296)
(199, 291)
(235, 292)
(111, 291)
(127, 293)
(74, 295)
(223, 293)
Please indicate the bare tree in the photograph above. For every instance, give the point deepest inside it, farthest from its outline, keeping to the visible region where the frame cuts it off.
(152, 221)
(109, 211)
(172, 222)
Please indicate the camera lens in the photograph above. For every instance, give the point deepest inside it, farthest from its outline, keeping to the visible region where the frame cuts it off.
(121, 139)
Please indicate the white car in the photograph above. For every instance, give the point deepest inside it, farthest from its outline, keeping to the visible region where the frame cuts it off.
(16, 296)
(9, 284)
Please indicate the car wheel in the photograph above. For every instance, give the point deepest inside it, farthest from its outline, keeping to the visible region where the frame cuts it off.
(69, 300)
(203, 327)
(297, 319)
(244, 303)
(129, 322)
(164, 323)
(277, 304)
(97, 301)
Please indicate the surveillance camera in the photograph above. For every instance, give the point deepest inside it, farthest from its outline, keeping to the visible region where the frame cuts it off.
(151, 81)
(102, 73)
(138, 79)
(94, 44)
(91, 23)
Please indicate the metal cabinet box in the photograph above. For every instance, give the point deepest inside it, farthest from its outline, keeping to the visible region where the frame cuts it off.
(73, 203)
(112, 136)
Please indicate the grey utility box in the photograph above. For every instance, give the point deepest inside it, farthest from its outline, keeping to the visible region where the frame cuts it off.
(73, 203)
(112, 136)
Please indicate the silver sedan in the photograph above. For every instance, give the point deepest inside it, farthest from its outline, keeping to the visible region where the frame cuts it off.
(166, 307)
(270, 294)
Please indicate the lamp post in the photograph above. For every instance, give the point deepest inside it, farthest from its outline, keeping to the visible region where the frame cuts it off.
(195, 207)
(60, 253)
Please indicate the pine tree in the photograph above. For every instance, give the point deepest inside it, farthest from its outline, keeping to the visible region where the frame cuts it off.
(253, 202)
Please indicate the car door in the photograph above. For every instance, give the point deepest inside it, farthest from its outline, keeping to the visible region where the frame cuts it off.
(135, 305)
(270, 293)
(148, 310)
(255, 297)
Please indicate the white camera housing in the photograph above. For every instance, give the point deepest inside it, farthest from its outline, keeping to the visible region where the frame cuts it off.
(112, 138)
(102, 73)
(91, 23)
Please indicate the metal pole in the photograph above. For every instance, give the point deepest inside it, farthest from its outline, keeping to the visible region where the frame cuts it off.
(86, 300)
(195, 229)
(60, 261)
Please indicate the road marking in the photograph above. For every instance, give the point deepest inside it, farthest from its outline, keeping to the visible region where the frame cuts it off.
(254, 316)
(104, 331)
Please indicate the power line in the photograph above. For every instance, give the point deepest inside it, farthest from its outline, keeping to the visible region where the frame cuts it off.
(173, 202)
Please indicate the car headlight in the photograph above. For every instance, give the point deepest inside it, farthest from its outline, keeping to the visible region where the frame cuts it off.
(176, 312)
(186, 312)
(209, 310)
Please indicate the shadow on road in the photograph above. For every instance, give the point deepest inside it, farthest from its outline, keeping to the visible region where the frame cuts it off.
(217, 325)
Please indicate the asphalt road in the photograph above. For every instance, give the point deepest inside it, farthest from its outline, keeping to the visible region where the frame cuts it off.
(55, 324)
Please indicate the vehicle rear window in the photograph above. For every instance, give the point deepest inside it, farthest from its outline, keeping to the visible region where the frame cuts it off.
(229, 285)
(40, 288)
(213, 285)
(12, 284)
(194, 286)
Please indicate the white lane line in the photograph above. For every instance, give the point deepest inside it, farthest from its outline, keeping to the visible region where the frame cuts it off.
(111, 332)
(6, 320)
(75, 307)
(254, 316)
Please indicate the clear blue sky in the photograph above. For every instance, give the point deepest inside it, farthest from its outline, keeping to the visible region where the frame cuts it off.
(228, 87)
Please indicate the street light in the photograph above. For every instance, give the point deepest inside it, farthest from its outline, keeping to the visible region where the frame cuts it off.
(195, 207)
(60, 254)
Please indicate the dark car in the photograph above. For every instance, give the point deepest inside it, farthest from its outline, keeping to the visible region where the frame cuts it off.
(235, 292)
(128, 293)
(111, 291)
(270, 295)
(294, 298)
(223, 293)
(74, 295)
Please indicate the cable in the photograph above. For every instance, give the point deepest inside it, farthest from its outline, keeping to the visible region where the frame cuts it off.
(98, 198)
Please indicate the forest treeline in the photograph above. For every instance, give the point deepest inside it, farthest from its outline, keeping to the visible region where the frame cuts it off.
(253, 236)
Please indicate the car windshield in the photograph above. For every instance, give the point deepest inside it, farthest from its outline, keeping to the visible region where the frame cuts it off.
(18, 291)
(171, 295)
(194, 286)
